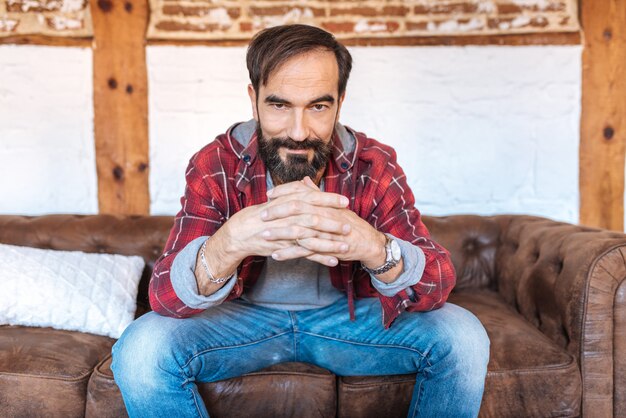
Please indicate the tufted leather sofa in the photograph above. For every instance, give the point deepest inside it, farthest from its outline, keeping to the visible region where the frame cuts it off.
(552, 297)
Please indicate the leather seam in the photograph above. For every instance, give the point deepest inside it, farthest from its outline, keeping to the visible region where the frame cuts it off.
(562, 367)
(97, 371)
(584, 321)
(379, 384)
(62, 379)
(286, 373)
(256, 374)
(614, 331)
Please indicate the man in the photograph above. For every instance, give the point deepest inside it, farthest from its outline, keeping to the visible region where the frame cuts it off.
(298, 240)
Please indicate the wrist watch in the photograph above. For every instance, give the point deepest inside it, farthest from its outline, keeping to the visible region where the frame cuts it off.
(394, 255)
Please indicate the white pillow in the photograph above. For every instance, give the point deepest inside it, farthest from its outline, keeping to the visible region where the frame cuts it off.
(71, 290)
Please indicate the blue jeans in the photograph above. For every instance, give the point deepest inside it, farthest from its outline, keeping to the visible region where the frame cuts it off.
(158, 360)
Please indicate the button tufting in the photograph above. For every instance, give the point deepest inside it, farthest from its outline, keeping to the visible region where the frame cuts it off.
(558, 265)
(536, 255)
(470, 245)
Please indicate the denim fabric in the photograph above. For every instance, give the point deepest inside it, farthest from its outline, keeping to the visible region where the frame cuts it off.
(158, 360)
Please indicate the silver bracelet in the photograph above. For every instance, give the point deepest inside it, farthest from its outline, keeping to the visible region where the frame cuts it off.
(206, 268)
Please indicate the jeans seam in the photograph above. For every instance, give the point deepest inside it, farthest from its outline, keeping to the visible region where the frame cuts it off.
(419, 398)
(196, 355)
(294, 328)
(195, 401)
(422, 355)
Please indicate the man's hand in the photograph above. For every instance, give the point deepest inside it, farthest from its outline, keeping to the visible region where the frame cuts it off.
(358, 240)
(251, 231)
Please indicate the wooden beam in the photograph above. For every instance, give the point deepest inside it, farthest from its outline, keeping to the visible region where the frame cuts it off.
(603, 118)
(557, 38)
(121, 105)
(46, 40)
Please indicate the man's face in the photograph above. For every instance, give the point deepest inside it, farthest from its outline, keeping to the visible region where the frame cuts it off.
(296, 113)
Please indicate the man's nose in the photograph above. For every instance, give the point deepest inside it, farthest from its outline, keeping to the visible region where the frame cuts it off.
(299, 130)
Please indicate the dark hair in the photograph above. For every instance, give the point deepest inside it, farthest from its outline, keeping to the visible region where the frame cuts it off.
(272, 47)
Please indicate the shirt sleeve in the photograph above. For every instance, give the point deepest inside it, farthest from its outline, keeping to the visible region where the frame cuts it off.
(204, 209)
(413, 260)
(184, 281)
(389, 206)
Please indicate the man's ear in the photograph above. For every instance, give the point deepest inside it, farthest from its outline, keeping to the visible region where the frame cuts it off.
(253, 102)
(339, 103)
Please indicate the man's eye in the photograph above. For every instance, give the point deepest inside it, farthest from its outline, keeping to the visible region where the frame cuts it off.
(319, 107)
(278, 106)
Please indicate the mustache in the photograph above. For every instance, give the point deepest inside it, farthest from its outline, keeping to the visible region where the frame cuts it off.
(286, 142)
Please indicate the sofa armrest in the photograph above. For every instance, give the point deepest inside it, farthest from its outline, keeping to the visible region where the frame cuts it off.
(568, 281)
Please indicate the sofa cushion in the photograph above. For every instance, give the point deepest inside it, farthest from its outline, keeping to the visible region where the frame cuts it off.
(288, 389)
(527, 371)
(44, 372)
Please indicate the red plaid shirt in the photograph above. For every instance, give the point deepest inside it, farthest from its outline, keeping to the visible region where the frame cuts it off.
(224, 177)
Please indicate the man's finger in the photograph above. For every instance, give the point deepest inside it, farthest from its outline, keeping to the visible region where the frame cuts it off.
(326, 260)
(294, 232)
(299, 204)
(288, 226)
(290, 253)
(318, 245)
(290, 188)
(308, 182)
(317, 198)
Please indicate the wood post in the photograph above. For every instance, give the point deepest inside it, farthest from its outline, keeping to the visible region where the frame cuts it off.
(121, 105)
(603, 119)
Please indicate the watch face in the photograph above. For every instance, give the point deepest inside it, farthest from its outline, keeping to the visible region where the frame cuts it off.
(395, 250)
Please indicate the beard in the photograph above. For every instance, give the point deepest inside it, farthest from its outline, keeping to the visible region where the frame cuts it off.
(294, 167)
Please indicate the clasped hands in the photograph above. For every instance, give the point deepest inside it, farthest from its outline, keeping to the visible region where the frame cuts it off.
(301, 221)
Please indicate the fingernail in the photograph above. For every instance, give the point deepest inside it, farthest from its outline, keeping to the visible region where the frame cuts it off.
(346, 228)
(344, 201)
(264, 214)
(344, 247)
(266, 234)
(275, 256)
(270, 192)
(332, 261)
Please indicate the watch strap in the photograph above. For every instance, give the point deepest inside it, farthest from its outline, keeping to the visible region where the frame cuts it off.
(389, 263)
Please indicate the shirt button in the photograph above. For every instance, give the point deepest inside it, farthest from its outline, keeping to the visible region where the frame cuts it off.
(246, 158)
(345, 165)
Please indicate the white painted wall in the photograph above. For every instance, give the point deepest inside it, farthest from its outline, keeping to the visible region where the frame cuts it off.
(47, 156)
(477, 129)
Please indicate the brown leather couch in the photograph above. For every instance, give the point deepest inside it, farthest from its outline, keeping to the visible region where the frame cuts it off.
(552, 297)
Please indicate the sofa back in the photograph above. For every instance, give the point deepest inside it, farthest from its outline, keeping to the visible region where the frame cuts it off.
(472, 240)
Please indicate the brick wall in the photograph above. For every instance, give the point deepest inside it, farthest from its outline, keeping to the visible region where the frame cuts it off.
(45, 17)
(228, 19)
(240, 19)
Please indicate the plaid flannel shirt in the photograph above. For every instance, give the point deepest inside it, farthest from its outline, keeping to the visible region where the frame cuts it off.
(224, 177)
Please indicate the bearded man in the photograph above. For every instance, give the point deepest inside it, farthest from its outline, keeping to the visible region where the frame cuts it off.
(298, 240)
